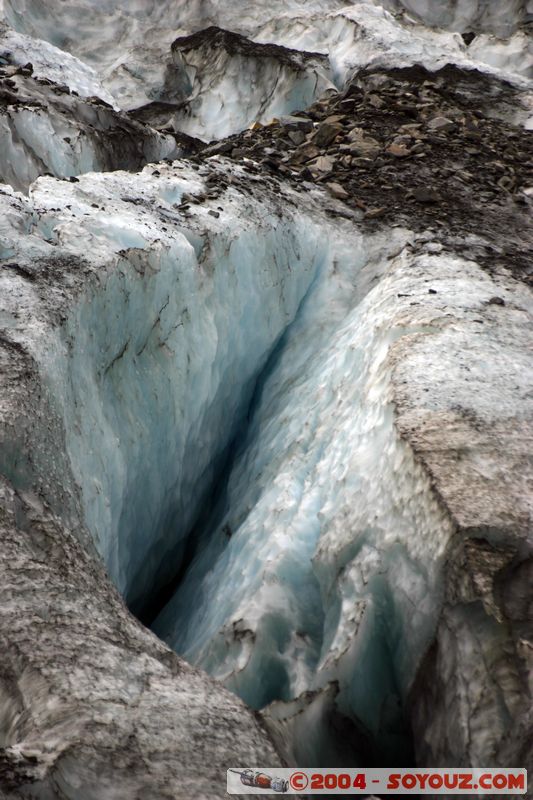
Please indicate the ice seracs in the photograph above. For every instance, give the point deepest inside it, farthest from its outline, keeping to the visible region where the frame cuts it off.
(232, 81)
(45, 128)
(131, 47)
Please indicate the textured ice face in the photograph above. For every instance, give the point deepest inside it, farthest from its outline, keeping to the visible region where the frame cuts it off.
(50, 62)
(130, 47)
(204, 309)
(232, 81)
(322, 561)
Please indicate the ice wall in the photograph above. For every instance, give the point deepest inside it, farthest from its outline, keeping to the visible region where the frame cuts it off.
(322, 562)
(234, 81)
(156, 365)
(130, 47)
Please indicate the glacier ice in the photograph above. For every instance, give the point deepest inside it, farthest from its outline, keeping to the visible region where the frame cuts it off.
(42, 131)
(310, 570)
(130, 46)
(209, 309)
(263, 418)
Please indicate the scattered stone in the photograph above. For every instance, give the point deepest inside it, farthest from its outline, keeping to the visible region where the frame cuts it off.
(297, 137)
(219, 148)
(453, 156)
(398, 150)
(442, 124)
(496, 301)
(334, 119)
(212, 213)
(326, 133)
(376, 101)
(426, 194)
(507, 182)
(337, 191)
(305, 153)
(296, 123)
(322, 164)
(361, 145)
(373, 213)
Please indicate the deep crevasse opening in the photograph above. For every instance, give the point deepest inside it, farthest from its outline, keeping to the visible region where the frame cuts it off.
(227, 410)
(320, 560)
(156, 370)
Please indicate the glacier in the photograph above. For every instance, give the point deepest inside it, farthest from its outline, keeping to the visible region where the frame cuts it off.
(310, 571)
(265, 403)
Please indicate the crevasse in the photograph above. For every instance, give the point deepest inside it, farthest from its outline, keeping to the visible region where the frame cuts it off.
(320, 561)
(227, 408)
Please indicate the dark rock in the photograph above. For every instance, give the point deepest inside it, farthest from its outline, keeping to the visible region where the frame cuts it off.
(326, 133)
(426, 194)
(296, 124)
(468, 38)
(337, 191)
(441, 124)
(297, 137)
(305, 153)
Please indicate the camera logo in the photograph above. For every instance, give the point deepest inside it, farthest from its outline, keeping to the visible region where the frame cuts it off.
(260, 780)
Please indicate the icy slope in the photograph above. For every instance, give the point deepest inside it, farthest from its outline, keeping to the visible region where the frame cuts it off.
(324, 561)
(45, 128)
(153, 359)
(130, 47)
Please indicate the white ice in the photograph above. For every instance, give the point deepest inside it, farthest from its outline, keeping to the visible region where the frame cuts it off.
(156, 364)
(50, 62)
(322, 561)
(129, 43)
